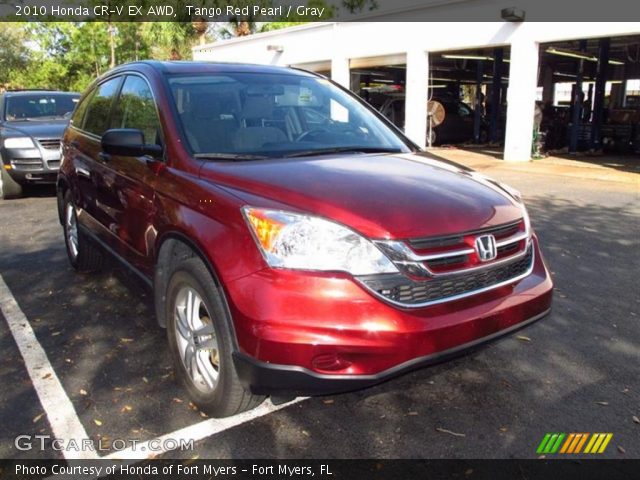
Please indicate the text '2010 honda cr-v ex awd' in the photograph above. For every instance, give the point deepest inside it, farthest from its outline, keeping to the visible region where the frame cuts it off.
(294, 240)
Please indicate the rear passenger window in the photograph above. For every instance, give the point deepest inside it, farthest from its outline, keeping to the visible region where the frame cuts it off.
(137, 109)
(97, 116)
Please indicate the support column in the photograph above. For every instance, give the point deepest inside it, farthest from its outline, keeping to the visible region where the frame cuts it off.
(340, 72)
(577, 98)
(521, 98)
(547, 85)
(496, 98)
(415, 121)
(598, 99)
(477, 112)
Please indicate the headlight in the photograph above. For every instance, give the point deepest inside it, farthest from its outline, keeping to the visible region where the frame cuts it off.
(304, 242)
(19, 142)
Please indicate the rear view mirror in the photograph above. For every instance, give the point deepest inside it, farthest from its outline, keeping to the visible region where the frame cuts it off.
(128, 142)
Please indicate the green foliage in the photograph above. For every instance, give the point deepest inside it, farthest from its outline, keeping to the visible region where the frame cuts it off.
(171, 40)
(356, 6)
(14, 55)
(69, 55)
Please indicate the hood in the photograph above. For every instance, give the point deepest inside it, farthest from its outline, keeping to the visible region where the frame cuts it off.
(35, 129)
(384, 196)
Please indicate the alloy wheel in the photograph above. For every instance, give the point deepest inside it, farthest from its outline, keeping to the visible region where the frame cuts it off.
(196, 339)
(71, 223)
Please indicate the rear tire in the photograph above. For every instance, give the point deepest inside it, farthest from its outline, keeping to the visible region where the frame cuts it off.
(83, 255)
(200, 336)
(9, 188)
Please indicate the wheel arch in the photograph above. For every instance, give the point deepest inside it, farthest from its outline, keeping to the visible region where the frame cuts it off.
(61, 189)
(172, 247)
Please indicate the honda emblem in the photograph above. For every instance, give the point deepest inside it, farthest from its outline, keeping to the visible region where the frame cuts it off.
(486, 248)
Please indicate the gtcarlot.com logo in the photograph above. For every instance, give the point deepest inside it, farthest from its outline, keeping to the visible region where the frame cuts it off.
(574, 443)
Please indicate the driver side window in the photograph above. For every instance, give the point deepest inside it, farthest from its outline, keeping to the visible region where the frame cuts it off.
(136, 108)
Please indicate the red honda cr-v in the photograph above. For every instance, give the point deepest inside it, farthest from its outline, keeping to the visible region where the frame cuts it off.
(295, 242)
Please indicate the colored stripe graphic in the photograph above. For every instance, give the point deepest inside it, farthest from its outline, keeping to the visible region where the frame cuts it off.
(594, 437)
(598, 443)
(551, 443)
(573, 443)
(584, 439)
(568, 442)
(543, 443)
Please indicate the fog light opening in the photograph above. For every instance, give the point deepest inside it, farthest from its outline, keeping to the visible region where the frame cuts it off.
(330, 362)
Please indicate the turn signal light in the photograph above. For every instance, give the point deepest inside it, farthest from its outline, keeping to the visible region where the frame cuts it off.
(265, 229)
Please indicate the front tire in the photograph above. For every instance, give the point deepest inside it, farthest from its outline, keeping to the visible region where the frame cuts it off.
(83, 255)
(200, 337)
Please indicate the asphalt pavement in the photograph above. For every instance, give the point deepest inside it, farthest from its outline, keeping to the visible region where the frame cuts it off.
(575, 371)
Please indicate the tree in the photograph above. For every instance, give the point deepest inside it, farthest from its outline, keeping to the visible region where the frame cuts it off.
(69, 55)
(171, 40)
(14, 55)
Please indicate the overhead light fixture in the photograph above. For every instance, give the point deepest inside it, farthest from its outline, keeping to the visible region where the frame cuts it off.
(512, 14)
(580, 55)
(466, 57)
(491, 77)
(585, 78)
(572, 54)
(437, 86)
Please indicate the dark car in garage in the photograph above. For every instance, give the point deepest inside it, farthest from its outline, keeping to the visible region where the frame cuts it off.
(31, 125)
(455, 126)
(294, 240)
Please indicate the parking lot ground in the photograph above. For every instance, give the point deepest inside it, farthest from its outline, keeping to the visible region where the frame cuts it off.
(612, 168)
(17, 390)
(574, 371)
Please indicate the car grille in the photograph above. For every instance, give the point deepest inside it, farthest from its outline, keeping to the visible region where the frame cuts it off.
(50, 143)
(27, 164)
(402, 290)
(499, 231)
(452, 254)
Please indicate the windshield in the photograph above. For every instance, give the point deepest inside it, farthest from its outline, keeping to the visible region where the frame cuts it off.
(40, 106)
(231, 115)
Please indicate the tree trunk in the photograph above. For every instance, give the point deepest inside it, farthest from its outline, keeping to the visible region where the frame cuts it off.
(200, 26)
(243, 29)
(112, 45)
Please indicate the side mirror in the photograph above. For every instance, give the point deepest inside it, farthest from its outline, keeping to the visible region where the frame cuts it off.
(128, 142)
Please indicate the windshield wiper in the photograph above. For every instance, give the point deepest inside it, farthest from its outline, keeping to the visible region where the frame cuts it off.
(234, 157)
(328, 151)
